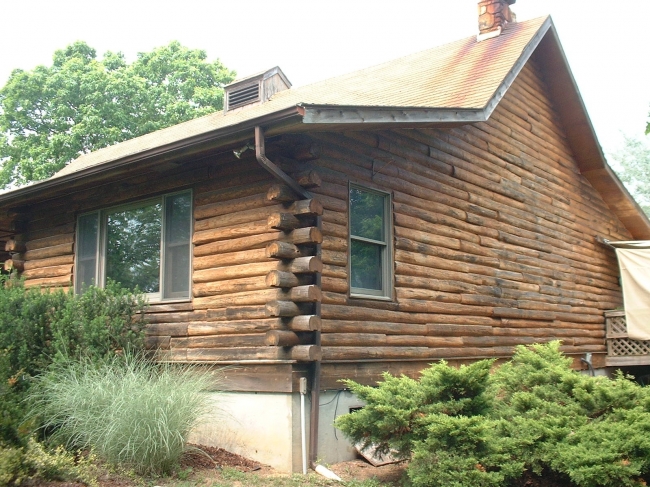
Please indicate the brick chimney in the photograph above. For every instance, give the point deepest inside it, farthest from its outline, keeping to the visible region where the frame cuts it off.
(493, 16)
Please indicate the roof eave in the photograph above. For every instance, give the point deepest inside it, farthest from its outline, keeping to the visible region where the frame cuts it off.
(336, 114)
(214, 137)
(582, 138)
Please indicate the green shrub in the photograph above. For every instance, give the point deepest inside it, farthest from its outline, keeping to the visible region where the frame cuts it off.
(462, 451)
(467, 427)
(401, 409)
(39, 326)
(127, 409)
(26, 316)
(99, 322)
(33, 462)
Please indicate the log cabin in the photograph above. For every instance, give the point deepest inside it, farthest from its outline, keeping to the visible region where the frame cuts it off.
(446, 205)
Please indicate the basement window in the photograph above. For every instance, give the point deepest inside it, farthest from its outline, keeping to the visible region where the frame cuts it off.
(145, 245)
(370, 252)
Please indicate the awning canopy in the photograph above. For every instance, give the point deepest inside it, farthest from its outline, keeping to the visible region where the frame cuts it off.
(634, 263)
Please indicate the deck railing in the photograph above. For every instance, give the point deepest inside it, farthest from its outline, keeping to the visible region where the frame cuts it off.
(622, 350)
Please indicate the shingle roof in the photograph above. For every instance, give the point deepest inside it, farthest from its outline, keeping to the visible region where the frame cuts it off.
(461, 75)
(461, 82)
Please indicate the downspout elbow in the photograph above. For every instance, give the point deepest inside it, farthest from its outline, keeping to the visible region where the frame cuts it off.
(276, 172)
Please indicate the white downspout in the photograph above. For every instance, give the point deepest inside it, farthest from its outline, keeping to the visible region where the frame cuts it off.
(303, 426)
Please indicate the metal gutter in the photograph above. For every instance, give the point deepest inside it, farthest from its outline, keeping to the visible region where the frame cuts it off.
(327, 114)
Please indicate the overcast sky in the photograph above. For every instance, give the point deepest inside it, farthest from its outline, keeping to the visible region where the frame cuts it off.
(313, 39)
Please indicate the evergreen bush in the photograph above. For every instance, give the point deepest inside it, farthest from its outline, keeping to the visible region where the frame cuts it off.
(32, 462)
(470, 427)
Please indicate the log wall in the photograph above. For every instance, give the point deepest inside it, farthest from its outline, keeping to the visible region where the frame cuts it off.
(494, 240)
(254, 262)
(253, 277)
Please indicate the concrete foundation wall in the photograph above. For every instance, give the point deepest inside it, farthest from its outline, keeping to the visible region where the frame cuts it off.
(265, 427)
(333, 446)
(258, 426)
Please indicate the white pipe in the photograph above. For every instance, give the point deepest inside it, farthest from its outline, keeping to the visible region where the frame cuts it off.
(303, 391)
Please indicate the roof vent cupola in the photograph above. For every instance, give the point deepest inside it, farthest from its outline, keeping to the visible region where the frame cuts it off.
(255, 89)
(493, 16)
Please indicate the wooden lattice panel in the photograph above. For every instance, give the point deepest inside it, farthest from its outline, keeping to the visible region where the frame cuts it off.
(618, 347)
(616, 326)
(618, 342)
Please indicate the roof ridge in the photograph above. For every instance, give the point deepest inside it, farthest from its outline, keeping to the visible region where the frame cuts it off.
(421, 52)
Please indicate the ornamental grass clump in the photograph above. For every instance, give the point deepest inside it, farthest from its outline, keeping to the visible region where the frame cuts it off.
(469, 426)
(128, 410)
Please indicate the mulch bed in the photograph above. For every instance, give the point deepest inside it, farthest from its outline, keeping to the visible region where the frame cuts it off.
(201, 456)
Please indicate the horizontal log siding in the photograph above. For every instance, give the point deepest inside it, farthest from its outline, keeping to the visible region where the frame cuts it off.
(229, 262)
(48, 257)
(493, 239)
(228, 322)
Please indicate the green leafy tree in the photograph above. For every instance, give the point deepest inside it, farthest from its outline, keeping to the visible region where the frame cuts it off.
(634, 169)
(53, 114)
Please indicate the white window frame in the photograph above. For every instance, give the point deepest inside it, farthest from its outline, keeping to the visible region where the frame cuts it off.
(100, 256)
(386, 293)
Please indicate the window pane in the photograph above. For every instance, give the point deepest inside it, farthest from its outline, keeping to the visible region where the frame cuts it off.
(366, 271)
(133, 247)
(87, 229)
(367, 214)
(177, 277)
(178, 221)
(178, 212)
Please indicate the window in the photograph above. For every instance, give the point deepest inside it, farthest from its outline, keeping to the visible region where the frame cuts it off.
(370, 253)
(145, 244)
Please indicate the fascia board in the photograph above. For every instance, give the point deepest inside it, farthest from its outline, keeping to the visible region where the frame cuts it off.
(334, 115)
(582, 139)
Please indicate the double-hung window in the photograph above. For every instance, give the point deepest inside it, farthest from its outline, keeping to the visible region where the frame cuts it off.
(370, 252)
(145, 245)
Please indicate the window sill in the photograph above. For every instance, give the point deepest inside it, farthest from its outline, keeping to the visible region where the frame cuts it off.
(370, 296)
(169, 301)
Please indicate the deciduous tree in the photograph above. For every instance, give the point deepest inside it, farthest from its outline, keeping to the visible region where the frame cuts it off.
(51, 115)
(634, 170)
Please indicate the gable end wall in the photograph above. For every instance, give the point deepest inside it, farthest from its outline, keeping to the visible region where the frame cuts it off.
(494, 242)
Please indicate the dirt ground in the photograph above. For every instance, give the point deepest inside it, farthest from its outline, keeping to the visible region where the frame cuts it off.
(352, 470)
(208, 466)
(388, 475)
